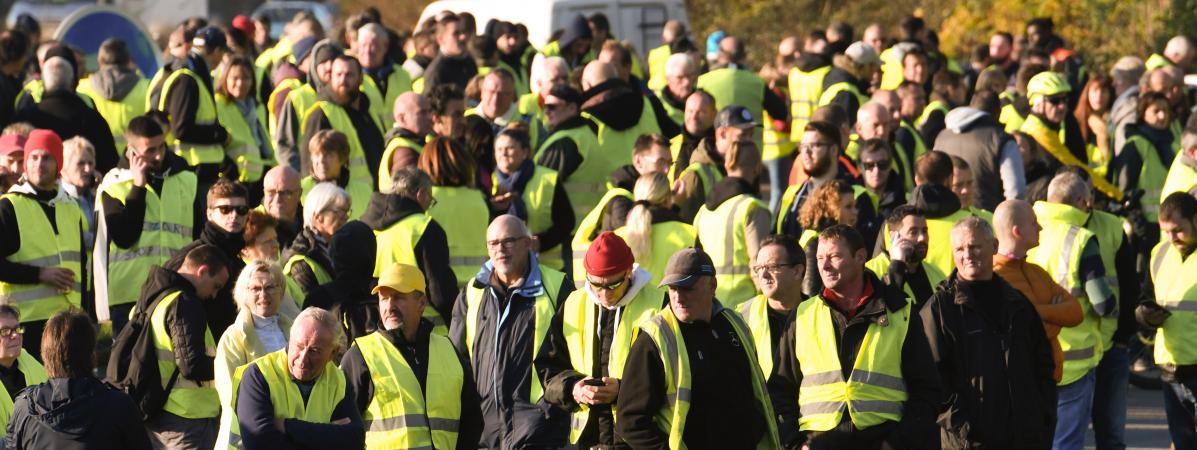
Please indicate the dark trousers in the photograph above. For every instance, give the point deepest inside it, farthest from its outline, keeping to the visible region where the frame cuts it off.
(1179, 403)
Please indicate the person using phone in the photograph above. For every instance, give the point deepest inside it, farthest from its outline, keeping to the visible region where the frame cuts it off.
(905, 264)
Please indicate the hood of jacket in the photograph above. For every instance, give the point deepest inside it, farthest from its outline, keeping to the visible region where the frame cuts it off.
(727, 188)
(578, 28)
(808, 61)
(67, 405)
(320, 52)
(625, 177)
(615, 103)
(386, 209)
(158, 282)
(966, 118)
(114, 82)
(934, 200)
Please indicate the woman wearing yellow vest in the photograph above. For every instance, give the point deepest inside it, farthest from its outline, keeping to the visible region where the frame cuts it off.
(457, 204)
(238, 110)
(307, 264)
(1142, 163)
(653, 229)
(532, 193)
(329, 155)
(833, 203)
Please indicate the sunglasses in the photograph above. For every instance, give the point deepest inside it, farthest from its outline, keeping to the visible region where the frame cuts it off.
(1057, 100)
(880, 165)
(609, 286)
(226, 209)
(12, 332)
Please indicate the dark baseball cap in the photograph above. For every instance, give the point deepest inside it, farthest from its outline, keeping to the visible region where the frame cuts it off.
(686, 267)
(735, 116)
(210, 38)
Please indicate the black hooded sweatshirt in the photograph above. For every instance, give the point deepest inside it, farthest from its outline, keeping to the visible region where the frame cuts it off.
(75, 413)
(431, 251)
(222, 310)
(614, 103)
(185, 321)
(348, 295)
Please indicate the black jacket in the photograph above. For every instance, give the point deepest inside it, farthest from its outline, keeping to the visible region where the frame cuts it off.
(182, 102)
(368, 134)
(185, 321)
(724, 413)
(563, 155)
(845, 99)
(916, 430)
(75, 413)
(314, 247)
(357, 374)
(995, 363)
(255, 415)
(455, 70)
(348, 295)
(431, 251)
(502, 366)
(222, 310)
(126, 220)
(68, 116)
(615, 103)
(10, 87)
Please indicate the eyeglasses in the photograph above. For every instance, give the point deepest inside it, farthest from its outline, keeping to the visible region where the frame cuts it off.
(241, 210)
(12, 332)
(810, 148)
(1057, 100)
(771, 268)
(609, 286)
(508, 243)
(882, 165)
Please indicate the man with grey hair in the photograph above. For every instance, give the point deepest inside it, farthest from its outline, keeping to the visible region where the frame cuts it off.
(328, 417)
(307, 262)
(681, 77)
(1125, 76)
(64, 112)
(989, 352)
(1182, 176)
(1072, 254)
(383, 80)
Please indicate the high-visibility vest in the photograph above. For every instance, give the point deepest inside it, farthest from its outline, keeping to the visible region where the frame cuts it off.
(875, 390)
(722, 234)
(520, 77)
(301, 95)
(402, 414)
(657, 58)
(396, 245)
(327, 392)
(1175, 289)
(554, 49)
(1059, 253)
(806, 88)
(538, 201)
(899, 166)
(590, 223)
(1181, 178)
(528, 107)
(755, 312)
(707, 173)
(243, 148)
(118, 113)
(1157, 61)
(939, 235)
(463, 213)
(359, 172)
(385, 177)
(33, 373)
(205, 114)
(579, 320)
(166, 228)
(731, 86)
(1151, 171)
(920, 146)
(359, 194)
(667, 239)
(931, 108)
(891, 70)
(544, 306)
(1108, 230)
(614, 149)
(43, 246)
(588, 182)
(791, 195)
(187, 398)
(677, 115)
(321, 273)
(880, 266)
(834, 90)
(382, 104)
(775, 143)
(1053, 144)
(35, 89)
(666, 334)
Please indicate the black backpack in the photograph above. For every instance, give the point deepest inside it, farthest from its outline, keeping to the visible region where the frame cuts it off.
(133, 364)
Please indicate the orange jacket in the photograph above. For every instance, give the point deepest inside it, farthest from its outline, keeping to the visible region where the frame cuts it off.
(1057, 308)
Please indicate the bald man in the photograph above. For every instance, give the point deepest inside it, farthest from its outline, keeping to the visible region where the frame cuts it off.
(1178, 52)
(280, 199)
(875, 121)
(413, 122)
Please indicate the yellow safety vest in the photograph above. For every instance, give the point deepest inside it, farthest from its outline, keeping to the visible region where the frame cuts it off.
(118, 113)
(205, 114)
(722, 234)
(396, 245)
(731, 86)
(1009, 115)
(1181, 178)
(939, 235)
(187, 398)
(875, 390)
(302, 96)
(1151, 171)
(36, 88)
(587, 227)
(34, 374)
(359, 194)
(321, 273)
(529, 106)
(520, 76)
(243, 148)
(166, 228)
(544, 306)
(538, 200)
(359, 172)
(579, 318)
(463, 213)
(1108, 230)
(42, 247)
(385, 177)
(1059, 253)
(288, 402)
(402, 414)
(755, 312)
(843, 86)
(657, 58)
(677, 115)
(931, 108)
(665, 333)
(667, 239)
(920, 146)
(707, 173)
(1053, 144)
(615, 146)
(891, 70)
(880, 266)
(1175, 289)
(554, 49)
(381, 106)
(806, 88)
(586, 185)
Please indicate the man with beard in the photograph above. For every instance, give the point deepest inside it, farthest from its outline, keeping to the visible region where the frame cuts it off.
(818, 154)
(908, 252)
(344, 108)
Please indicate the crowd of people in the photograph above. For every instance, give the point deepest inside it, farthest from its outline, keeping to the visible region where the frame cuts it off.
(448, 238)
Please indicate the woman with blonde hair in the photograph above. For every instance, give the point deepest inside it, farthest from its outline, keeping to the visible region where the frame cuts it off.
(833, 203)
(654, 230)
(457, 204)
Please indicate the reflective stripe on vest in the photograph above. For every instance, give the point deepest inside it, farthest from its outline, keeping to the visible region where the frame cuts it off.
(722, 234)
(45, 245)
(463, 213)
(874, 392)
(187, 398)
(806, 88)
(1175, 289)
(402, 414)
(166, 228)
(205, 114)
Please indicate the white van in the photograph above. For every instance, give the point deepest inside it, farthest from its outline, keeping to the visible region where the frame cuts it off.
(636, 21)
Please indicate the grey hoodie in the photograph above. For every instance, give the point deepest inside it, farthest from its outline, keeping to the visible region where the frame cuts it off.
(114, 82)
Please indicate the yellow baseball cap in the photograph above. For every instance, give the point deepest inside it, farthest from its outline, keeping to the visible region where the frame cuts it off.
(403, 278)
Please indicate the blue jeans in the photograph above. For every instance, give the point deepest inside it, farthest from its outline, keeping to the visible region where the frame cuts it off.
(1179, 404)
(1109, 399)
(1073, 407)
(779, 176)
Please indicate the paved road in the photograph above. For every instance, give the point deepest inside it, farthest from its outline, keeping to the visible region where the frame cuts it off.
(1146, 427)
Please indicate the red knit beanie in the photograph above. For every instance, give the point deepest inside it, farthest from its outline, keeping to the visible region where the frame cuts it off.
(608, 255)
(42, 139)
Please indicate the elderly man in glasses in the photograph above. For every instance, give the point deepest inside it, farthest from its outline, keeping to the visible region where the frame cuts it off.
(18, 369)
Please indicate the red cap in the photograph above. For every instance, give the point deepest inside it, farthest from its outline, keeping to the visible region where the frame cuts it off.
(42, 139)
(244, 24)
(11, 143)
(608, 255)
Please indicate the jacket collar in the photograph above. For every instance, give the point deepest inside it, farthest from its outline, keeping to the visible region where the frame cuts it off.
(533, 285)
